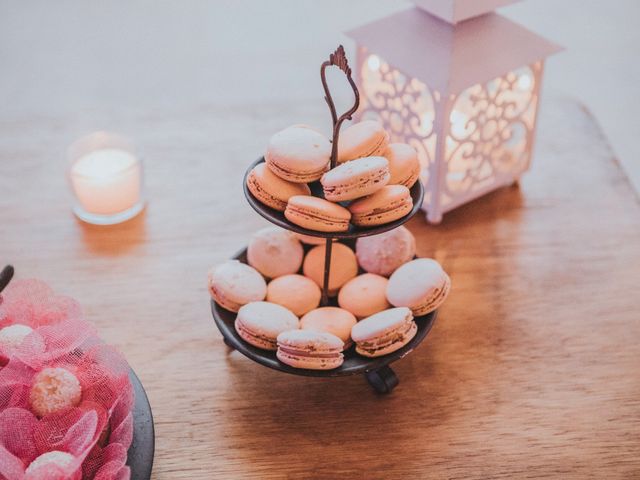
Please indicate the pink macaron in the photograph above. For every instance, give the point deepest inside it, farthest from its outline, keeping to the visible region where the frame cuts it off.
(404, 165)
(421, 285)
(298, 154)
(385, 252)
(310, 349)
(274, 252)
(364, 295)
(234, 284)
(362, 139)
(355, 179)
(260, 323)
(272, 190)
(317, 214)
(384, 332)
(295, 292)
(386, 205)
(334, 320)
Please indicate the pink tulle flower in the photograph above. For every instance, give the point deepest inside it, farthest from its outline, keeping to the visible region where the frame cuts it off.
(92, 435)
(37, 326)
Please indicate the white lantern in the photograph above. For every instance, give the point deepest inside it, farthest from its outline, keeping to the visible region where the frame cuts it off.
(464, 94)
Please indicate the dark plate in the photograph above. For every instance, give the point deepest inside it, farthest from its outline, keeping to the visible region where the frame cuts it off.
(140, 455)
(274, 216)
(353, 363)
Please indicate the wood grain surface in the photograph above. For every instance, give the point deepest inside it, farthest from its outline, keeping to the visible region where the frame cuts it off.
(532, 369)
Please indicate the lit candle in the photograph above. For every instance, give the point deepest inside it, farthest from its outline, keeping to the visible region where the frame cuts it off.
(106, 178)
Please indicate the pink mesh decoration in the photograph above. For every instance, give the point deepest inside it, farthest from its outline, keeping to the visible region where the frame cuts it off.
(56, 322)
(85, 439)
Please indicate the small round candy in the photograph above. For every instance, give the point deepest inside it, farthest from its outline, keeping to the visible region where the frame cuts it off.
(40, 466)
(54, 390)
(13, 335)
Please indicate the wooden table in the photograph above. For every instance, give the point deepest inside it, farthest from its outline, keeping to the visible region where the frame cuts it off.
(531, 370)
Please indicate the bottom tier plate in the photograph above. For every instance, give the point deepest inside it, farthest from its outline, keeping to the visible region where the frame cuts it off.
(353, 363)
(141, 451)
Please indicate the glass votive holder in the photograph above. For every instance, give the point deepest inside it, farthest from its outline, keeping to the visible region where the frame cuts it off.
(106, 178)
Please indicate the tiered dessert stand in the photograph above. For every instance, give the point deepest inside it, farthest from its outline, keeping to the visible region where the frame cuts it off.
(376, 370)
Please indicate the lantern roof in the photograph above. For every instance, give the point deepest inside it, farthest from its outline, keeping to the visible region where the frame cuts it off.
(450, 58)
(454, 11)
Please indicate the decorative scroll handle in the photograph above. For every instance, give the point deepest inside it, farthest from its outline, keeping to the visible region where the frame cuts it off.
(338, 59)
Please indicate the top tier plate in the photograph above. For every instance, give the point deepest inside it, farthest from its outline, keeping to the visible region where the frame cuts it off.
(274, 216)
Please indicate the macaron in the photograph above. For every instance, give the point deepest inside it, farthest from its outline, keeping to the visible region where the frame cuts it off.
(260, 323)
(274, 252)
(317, 214)
(234, 284)
(385, 252)
(295, 292)
(334, 320)
(404, 165)
(355, 179)
(298, 154)
(344, 266)
(272, 190)
(384, 332)
(309, 349)
(364, 295)
(422, 285)
(386, 205)
(362, 139)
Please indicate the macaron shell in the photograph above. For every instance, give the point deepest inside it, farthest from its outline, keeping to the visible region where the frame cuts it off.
(334, 320)
(272, 190)
(274, 252)
(364, 295)
(355, 179)
(317, 214)
(310, 349)
(299, 154)
(404, 165)
(392, 347)
(233, 284)
(344, 266)
(384, 253)
(295, 292)
(390, 203)
(260, 323)
(381, 323)
(310, 363)
(419, 285)
(434, 302)
(362, 139)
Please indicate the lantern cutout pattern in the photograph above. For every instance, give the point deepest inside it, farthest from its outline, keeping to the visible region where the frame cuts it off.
(464, 94)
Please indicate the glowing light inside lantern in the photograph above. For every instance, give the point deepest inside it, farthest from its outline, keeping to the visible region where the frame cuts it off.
(374, 63)
(525, 82)
(458, 123)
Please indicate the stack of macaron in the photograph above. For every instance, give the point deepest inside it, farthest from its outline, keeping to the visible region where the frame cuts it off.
(369, 186)
(377, 289)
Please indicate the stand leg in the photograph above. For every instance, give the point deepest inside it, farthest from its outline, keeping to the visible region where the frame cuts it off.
(383, 380)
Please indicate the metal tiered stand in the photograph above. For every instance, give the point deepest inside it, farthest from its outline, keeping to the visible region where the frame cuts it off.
(376, 370)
